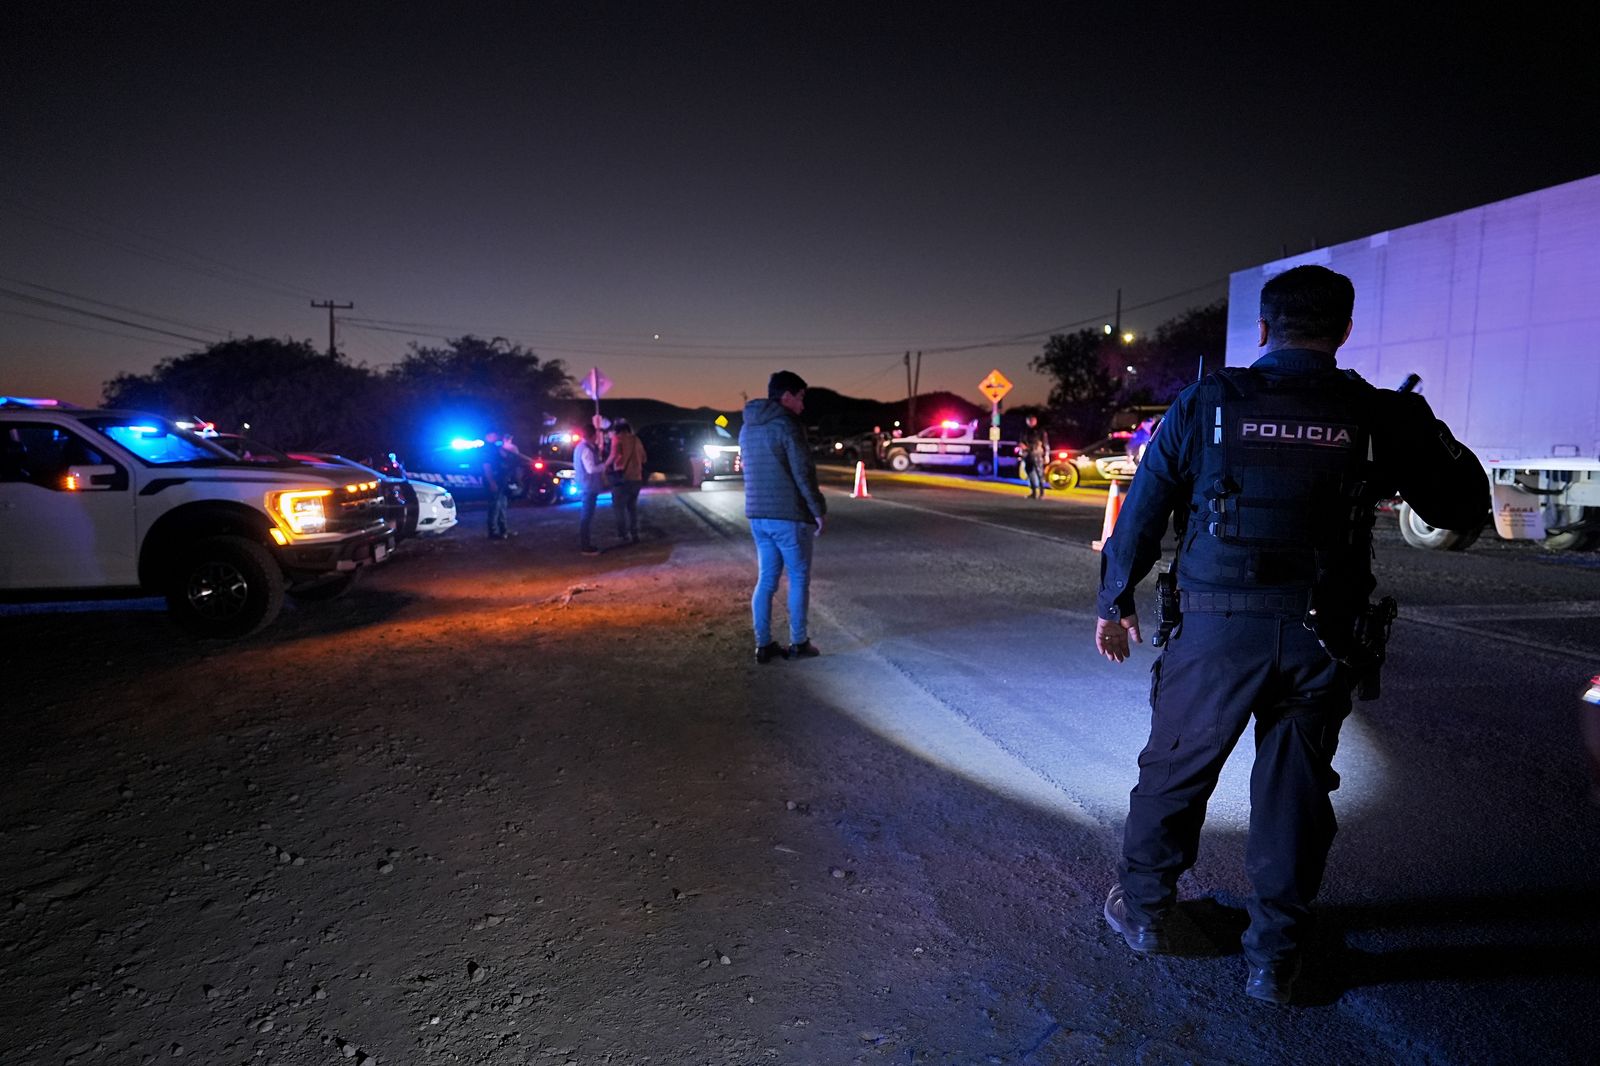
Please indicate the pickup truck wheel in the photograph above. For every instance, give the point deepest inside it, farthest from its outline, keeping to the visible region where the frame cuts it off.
(984, 467)
(1061, 476)
(1419, 534)
(225, 587)
(330, 589)
(899, 461)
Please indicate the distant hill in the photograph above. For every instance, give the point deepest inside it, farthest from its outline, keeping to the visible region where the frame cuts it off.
(828, 413)
(640, 412)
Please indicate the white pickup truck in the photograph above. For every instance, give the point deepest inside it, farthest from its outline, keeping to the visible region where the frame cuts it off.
(953, 445)
(121, 502)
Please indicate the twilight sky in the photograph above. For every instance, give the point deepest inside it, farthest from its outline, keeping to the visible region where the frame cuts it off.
(690, 195)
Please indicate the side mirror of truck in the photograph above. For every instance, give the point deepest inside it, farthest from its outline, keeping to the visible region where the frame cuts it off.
(94, 477)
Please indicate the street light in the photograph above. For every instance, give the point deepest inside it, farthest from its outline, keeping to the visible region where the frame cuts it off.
(1127, 338)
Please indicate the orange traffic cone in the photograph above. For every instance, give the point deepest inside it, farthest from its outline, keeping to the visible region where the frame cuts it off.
(860, 491)
(1113, 509)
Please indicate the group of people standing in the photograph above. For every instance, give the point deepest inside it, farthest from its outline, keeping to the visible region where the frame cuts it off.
(607, 456)
(609, 459)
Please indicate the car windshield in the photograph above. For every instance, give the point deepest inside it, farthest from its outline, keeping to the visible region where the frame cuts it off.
(158, 442)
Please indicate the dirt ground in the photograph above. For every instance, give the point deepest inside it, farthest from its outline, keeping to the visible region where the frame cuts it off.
(501, 804)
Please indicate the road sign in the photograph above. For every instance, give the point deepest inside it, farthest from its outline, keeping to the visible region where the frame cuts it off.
(596, 384)
(994, 386)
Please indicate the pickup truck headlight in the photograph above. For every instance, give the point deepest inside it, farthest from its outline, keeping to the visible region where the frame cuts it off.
(302, 510)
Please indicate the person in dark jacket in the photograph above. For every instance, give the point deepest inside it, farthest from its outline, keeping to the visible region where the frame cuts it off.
(498, 473)
(1034, 448)
(1271, 474)
(785, 508)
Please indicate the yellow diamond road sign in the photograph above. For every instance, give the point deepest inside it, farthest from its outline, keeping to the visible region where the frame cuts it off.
(995, 386)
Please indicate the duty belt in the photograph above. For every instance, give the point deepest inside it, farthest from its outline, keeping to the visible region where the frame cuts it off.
(1286, 603)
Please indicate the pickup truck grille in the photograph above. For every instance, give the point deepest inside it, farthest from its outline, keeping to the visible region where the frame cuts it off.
(358, 507)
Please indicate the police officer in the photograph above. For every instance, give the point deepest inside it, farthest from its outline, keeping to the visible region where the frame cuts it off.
(1271, 474)
(498, 472)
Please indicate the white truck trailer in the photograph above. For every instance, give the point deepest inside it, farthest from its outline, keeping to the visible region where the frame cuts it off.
(1498, 310)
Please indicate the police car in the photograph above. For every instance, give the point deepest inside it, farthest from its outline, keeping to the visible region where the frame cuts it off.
(950, 445)
(1100, 463)
(127, 502)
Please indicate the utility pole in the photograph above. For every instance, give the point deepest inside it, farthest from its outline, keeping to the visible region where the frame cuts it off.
(1117, 328)
(916, 382)
(911, 399)
(332, 307)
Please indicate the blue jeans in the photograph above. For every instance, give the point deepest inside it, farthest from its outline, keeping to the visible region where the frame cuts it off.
(1036, 481)
(586, 519)
(625, 506)
(781, 544)
(497, 512)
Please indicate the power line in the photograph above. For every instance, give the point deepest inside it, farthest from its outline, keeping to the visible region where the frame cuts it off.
(56, 305)
(798, 350)
(91, 329)
(218, 269)
(117, 307)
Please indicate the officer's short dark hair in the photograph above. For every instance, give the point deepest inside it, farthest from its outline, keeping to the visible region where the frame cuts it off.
(784, 381)
(1307, 303)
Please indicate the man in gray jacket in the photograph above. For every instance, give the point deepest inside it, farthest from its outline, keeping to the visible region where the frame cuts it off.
(785, 508)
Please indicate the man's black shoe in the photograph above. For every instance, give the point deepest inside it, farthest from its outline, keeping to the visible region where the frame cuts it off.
(768, 652)
(1273, 982)
(1146, 940)
(803, 650)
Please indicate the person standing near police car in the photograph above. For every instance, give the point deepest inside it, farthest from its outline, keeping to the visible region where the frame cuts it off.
(1272, 473)
(588, 470)
(498, 471)
(786, 511)
(1034, 448)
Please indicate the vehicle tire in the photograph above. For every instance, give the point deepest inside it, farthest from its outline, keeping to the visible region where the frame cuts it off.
(899, 460)
(331, 589)
(984, 467)
(1419, 534)
(225, 587)
(1061, 476)
(1580, 540)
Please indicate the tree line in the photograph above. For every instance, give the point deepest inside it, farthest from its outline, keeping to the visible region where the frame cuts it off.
(293, 395)
(1095, 373)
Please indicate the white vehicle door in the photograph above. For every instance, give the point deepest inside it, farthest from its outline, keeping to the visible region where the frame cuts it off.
(958, 446)
(66, 511)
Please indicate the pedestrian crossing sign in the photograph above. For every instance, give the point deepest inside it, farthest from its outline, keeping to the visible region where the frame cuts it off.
(994, 386)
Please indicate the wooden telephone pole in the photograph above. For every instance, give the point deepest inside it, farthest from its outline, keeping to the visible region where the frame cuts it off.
(332, 307)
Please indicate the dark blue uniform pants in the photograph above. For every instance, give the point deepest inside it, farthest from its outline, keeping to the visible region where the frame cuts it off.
(1217, 672)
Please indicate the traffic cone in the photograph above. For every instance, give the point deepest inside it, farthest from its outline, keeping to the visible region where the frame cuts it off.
(1113, 509)
(860, 491)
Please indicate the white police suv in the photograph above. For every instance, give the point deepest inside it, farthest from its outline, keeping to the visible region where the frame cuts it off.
(109, 502)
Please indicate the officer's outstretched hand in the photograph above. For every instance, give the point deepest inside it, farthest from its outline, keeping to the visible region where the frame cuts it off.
(1111, 638)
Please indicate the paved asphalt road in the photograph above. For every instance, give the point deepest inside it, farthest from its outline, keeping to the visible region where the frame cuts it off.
(1459, 907)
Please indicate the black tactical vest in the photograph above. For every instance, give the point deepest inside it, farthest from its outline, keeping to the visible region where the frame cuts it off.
(1282, 497)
